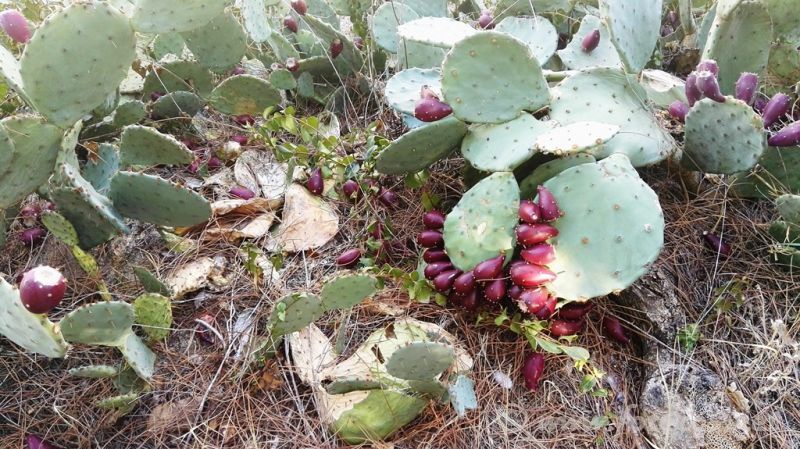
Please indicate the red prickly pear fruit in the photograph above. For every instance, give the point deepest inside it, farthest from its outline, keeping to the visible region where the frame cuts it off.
(495, 290)
(539, 254)
(529, 212)
(776, 107)
(214, 163)
(489, 269)
(590, 41)
(514, 291)
(431, 109)
(532, 370)
(465, 283)
(746, 87)
(315, 183)
(433, 219)
(15, 25)
(563, 328)
(486, 21)
(32, 236)
(426, 92)
(244, 120)
(300, 7)
(292, 65)
(435, 269)
(387, 198)
(575, 310)
(337, 46)
(716, 244)
(471, 300)
(242, 193)
(678, 110)
(41, 289)
(156, 95)
(789, 136)
(613, 329)
(529, 235)
(240, 139)
(435, 255)
(35, 442)
(759, 104)
(443, 282)
(358, 41)
(693, 94)
(548, 308)
(349, 257)
(31, 211)
(709, 86)
(350, 189)
(531, 276)
(290, 23)
(430, 239)
(548, 204)
(708, 65)
(532, 300)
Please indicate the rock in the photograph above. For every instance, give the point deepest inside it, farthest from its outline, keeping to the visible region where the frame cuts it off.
(307, 223)
(655, 295)
(688, 408)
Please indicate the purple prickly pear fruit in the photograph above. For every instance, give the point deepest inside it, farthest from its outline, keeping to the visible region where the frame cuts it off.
(194, 166)
(590, 41)
(292, 65)
(746, 87)
(708, 65)
(575, 310)
(244, 120)
(156, 95)
(759, 104)
(470, 301)
(776, 107)
(465, 283)
(358, 41)
(563, 328)
(532, 370)
(387, 198)
(240, 139)
(32, 236)
(693, 94)
(435, 255)
(716, 244)
(433, 219)
(539, 254)
(532, 300)
(672, 18)
(548, 204)
(35, 442)
(315, 183)
(350, 189)
(300, 7)
(435, 269)
(678, 110)
(666, 30)
(214, 163)
(486, 21)
(349, 257)
(242, 192)
(337, 46)
(41, 289)
(31, 212)
(529, 235)
(548, 308)
(489, 269)
(495, 290)
(514, 291)
(789, 136)
(431, 109)
(709, 86)
(531, 276)
(443, 282)
(614, 330)
(15, 25)
(430, 238)
(290, 23)
(529, 212)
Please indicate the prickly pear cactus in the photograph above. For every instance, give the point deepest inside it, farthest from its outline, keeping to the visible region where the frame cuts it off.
(427, 8)
(143, 145)
(350, 59)
(502, 146)
(420, 361)
(634, 29)
(384, 22)
(177, 76)
(244, 94)
(128, 113)
(575, 138)
(536, 32)
(177, 105)
(100, 169)
(154, 313)
(150, 282)
(218, 45)
(256, 19)
(156, 200)
(403, 89)
(293, 313)
(34, 333)
(94, 371)
(60, 228)
(545, 171)
(347, 291)
(421, 147)
(374, 415)
(775, 174)
(605, 55)
(436, 31)
(155, 16)
(139, 357)
(788, 206)
(102, 323)
(122, 403)
(28, 151)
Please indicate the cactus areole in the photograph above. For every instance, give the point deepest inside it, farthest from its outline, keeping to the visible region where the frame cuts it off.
(42, 288)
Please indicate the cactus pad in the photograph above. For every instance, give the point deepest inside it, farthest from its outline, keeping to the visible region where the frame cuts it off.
(168, 44)
(347, 291)
(502, 146)
(150, 282)
(350, 59)
(427, 8)
(94, 371)
(143, 145)
(139, 357)
(28, 152)
(403, 89)
(256, 19)
(605, 55)
(437, 31)
(775, 175)
(34, 333)
(282, 79)
(414, 54)
(617, 98)
(244, 94)
(420, 361)
(421, 147)
(789, 207)
(102, 323)
(462, 395)
(9, 70)
(177, 104)
(536, 32)
(156, 200)
(575, 137)
(634, 28)
(128, 113)
(123, 403)
(219, 44)
(100, 169)
(298, 310)
(377, 416)
(545, 171)
(482, 225)
(281, 46)
(784, 19)
(60, 228)
(625, 236)
(154, 313)
(479, 71)
(75, 59)
(384, 23)
(784, 63)
(156, 16)
(178, 76)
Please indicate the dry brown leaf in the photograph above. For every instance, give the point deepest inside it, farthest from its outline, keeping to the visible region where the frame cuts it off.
(307, 221)
(268, 378)
(190, 277)
(172, 416)
(260, 172)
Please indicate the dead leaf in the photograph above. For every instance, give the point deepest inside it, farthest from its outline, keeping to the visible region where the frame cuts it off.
(307, 221)
(268, 379)
(312, 353)
(737, 398)
(242, 207)
(190, 277)
(260, 172)
(175, 416)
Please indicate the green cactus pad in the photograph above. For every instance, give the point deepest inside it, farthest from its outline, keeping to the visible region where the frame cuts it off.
(282, 79)
(625, 237)
(784, 63)
(477, 75)
(139, 357)
(350, 60)
(414, 54)
(421, 147)
(305, 85)
(127, 381)
(178, 76)
(102, 323)
(219, 44)
(605, 55)
(775, 175)
(784, 19)
(347, 291)
(177, 104)
(427, 8)
(150, 282)
(505, 8)
(28, 151)
(107, 106)
(462, 395)
(143, 145)
(785, 232)
(504, 146)
(34, 333)
(343, 385)
(123, 403)
(722, 138)
(128, 113)
(403, 89)
(789, 207)
(482, 225)
(536, 32)
(244, 94)
(309, 45)
(9, 70)
(256, 19)
(157, 16)
(384, 23)
(281, 46)
(430, 389)
(155, 200)
(60, 228)
(420, 361)
(634, 29)
(154, 313)
(377, 417)
(75, 59)
(99, 171)
(317, 66)
(437, 31)
(298, 310)
(94, 371)
(619, 100)
(662, 88)
(168, 44)
(739, 40)
(543, 172)
(575, 137)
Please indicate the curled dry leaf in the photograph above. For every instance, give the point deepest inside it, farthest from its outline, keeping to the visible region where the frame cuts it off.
(237, 219)
(190, 277)
(307, 223)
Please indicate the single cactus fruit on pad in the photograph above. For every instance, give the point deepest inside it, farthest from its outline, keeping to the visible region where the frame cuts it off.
(32, 332)
(611, 231)
(42, 288)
